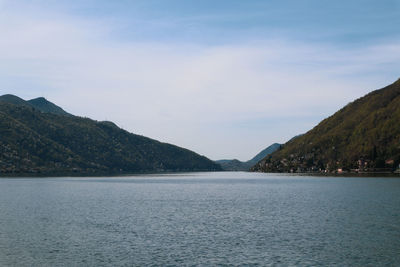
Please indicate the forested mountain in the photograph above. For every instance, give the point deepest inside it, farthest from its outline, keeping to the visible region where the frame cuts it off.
(269, 150)
(233, 165)
(40, 103)
(237, 165)
(45, 106)
(364, 136)
(38, 137)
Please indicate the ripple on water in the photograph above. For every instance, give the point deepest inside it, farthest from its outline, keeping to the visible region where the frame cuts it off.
(200, 219)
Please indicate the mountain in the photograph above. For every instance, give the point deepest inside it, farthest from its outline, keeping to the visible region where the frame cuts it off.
(35, 140)
(237, 165)
(364, 136)
(12, 99)
(271, 149)
(40, 103)
(45, 106)
(233, 165)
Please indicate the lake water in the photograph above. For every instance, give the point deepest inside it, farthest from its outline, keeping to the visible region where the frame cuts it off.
(200, 219)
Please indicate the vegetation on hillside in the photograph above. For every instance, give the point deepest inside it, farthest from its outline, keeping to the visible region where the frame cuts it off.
(32, 141)
(361, 137)
(237, 165)
(41, 104)
(45, 106)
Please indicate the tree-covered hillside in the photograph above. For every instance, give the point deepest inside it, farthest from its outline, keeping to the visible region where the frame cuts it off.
(33, 141)
(237, 165)
(40, 103)
(362, 136)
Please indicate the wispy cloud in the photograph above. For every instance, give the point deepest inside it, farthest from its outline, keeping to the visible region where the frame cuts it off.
(220, 100)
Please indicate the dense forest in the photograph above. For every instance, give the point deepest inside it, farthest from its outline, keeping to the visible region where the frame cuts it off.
(364, 136)
(38, 137)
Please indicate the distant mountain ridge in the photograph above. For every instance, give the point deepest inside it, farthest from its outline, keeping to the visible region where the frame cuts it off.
(12, 99)
(237, 165)
(46, 106)
(271, 149)
(40, 103)
(38, 137)
(363, 136)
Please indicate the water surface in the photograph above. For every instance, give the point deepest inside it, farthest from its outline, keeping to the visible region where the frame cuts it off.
(200, 219)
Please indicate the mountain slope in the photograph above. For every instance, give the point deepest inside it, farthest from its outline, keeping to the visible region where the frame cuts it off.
(12, 99)
(45, 106)
(36, 142)
(234, 165)
(237, 165)
(40, 103)
(271, 149)
(362, 136)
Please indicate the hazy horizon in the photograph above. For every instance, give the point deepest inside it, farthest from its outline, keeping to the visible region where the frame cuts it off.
(225, 79)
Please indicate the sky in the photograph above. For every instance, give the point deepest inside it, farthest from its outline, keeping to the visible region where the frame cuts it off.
(224, 78)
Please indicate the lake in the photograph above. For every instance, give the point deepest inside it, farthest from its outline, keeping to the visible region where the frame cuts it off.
(204, 219)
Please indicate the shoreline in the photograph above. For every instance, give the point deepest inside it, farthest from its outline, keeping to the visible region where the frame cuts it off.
(86, 175)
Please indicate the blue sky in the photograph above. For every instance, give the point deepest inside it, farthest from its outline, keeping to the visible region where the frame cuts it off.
(211, 22)
(223, 78)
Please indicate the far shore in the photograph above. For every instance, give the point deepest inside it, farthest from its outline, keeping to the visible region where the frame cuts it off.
(127, 174)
